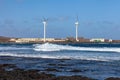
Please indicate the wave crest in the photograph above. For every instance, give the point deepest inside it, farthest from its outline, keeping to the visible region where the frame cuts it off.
(56, 47)
(64, 56)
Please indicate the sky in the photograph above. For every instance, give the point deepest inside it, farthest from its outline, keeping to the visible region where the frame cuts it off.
(23, 18)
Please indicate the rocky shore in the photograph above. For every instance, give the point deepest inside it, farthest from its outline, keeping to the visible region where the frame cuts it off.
(12, 72)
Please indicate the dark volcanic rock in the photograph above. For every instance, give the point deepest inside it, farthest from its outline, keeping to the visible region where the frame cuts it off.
(76, 70)
(64, 65)
(112, 78)
(72, 78)
(7, 66)
(52, 64)
(51, 69)
(21, 74)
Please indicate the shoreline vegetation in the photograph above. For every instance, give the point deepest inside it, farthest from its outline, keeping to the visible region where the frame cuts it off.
(12, 72)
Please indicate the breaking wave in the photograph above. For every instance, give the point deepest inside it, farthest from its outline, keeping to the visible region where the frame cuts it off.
(55, 51)
(64, 56)
(24, 55)
(56, 47)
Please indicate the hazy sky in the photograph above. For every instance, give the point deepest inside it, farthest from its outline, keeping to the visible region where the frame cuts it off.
(97, 18)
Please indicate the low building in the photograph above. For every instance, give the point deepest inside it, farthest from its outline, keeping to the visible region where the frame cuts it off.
(47, 39)
(82, 39)
(29, 40)
(12, 40)
(110, 40)
(59, 40)
(26, 40)
(97, 40)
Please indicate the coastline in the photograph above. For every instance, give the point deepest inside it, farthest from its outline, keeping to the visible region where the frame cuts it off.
(62, 43)
(65, 42)
(48, 68)
(68, 40)
(12, 72)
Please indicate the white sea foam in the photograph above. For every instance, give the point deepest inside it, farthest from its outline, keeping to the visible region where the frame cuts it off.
(40, 52)
(13, 48)
(64, 56)
(24, 55)
(56, 47)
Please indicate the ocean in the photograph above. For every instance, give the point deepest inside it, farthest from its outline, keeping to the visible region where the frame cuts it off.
(94, 60)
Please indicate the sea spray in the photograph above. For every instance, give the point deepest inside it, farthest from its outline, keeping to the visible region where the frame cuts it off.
(56, 51)
(56, 47)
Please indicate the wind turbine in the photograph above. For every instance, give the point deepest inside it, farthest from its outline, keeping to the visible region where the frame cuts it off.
(76, 24)
(45, 24)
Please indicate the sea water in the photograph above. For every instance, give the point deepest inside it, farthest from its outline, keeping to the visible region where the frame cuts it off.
(97, 61)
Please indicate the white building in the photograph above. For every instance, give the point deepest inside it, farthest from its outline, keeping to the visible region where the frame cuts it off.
(47, 39)
(12, 40)
(22, 40)
(27, 40)
(97, 40)
(110, 40)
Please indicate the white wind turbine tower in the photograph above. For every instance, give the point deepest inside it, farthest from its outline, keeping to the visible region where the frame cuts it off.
(76, 24)
(45, 24)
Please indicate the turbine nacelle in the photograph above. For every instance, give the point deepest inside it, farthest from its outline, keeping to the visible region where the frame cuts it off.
(44, 22)
(77, 23)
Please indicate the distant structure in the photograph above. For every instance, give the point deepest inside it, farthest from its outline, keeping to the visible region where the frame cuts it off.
(97, 40)
(45, 24)
(34, 40)
(76, 24)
